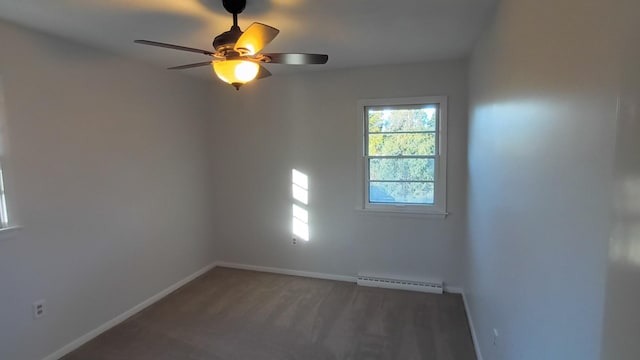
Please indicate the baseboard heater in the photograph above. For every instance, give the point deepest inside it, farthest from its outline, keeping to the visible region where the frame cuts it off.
(428, 287)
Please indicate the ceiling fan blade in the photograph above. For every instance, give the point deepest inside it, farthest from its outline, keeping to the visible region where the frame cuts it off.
(255, 38)
(263, 73)
(297, 59)
(189, 66)
(174, 47)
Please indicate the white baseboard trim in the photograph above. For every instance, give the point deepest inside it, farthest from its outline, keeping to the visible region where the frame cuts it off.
(275, 270)
(453, 290)
(315, 275)
(472, 327)
(124, 316)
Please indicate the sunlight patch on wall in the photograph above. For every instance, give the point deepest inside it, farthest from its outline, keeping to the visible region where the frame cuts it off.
(300, 194)
(300, 186)
(300, 222)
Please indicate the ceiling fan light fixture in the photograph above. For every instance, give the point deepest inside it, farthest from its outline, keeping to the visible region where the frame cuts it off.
(237, 54)
(236, 72)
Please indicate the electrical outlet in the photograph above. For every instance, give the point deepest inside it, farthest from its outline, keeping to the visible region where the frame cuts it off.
(294, 241)
(39, 309)
(495, 337)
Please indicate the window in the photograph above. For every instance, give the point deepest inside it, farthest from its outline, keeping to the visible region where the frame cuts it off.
(4, 217)
(404, 154)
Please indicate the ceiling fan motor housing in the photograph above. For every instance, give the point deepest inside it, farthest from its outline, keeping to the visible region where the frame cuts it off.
(225, 42)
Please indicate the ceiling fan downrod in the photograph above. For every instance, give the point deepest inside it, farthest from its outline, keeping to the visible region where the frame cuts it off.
(224, 42)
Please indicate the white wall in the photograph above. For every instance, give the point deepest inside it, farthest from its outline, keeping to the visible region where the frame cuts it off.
(622, 318)
(541, 140)
(309, 122)
(108, 173)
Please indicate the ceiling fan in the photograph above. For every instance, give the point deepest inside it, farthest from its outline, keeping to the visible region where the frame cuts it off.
(237, 58)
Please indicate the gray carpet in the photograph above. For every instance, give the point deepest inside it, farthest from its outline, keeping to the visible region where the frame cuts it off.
(236, 314)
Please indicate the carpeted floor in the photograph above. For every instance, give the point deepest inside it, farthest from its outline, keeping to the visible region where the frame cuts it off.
(237, 314)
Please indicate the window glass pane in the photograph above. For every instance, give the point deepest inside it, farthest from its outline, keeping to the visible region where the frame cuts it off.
(396, 119)
(401, 192)
(402, 169)
(402, 144)
(4, 219)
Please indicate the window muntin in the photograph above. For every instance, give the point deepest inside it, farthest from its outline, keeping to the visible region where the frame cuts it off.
(403, 154)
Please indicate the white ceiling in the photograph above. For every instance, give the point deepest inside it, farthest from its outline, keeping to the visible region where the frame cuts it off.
(352, 32)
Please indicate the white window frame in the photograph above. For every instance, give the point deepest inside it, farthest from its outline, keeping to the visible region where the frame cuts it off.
(7, 215)
(439, 207)
(8, 229)
(4, 214)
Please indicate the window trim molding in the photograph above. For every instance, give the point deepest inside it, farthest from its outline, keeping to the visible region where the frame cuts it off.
(439, 208)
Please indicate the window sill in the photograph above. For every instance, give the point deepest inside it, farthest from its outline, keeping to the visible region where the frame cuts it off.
(9, 232)
(404, 213)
